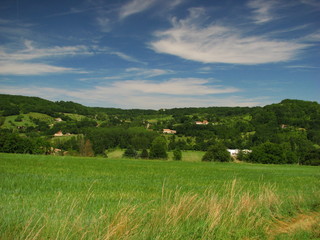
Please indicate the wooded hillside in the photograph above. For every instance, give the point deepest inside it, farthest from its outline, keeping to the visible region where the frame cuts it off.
(286, 132)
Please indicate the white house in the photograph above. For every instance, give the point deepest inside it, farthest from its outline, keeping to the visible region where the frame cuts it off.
(235, 152)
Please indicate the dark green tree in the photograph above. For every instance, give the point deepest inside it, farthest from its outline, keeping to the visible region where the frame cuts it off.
(130, 152)
(144, 154)
(312, 158)
(243, 156)
(217, 153)
(158, 148)
(268, 153)
(177, 154)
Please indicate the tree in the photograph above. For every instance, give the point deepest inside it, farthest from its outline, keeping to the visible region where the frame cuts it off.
(268, 153)
(159, 148)
(313, 158)
(144, 154)
(243, 156)
(86, 150)
(130, 152)
(177, 154)
(217, 153)
(19, 118)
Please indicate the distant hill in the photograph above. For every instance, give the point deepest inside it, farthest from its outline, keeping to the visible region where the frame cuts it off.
(285, 132)
(15, 104)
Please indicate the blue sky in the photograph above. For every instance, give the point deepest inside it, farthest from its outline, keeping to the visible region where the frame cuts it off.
(154, 54)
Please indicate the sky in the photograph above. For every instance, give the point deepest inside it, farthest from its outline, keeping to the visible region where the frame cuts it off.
(153, 54)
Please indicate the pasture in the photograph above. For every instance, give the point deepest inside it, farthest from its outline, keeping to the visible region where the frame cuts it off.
(47, 197)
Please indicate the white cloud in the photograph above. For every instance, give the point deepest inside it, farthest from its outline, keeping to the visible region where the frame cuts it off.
(30, 52)
(134, 7)
(16, 68)
(104, 24)
(148, 73)
(215, 43)
(312, 3)
(176, 86)
(126, 57)
(133, 73)
(174, 3)
(263, 10)
(21, 61)
(313, 37)
(142, 94)
(306, 67)
(106, 97)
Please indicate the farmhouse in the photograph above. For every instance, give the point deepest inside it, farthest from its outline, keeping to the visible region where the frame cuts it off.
(235, 152)
(169, 131)
(204, 122)
(58, 134)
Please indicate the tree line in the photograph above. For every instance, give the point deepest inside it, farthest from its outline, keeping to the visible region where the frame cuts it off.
(287, 132)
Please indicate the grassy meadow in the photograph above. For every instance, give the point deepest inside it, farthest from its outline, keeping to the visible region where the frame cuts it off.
(188, 156)
(48, 197)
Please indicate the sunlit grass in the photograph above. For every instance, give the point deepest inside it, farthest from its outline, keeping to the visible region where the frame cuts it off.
(46, 197)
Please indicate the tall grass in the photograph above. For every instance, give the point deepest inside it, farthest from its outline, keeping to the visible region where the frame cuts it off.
(45, 197)
(235, 214)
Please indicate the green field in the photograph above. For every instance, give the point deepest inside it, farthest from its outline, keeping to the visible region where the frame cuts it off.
(188, 156)
(10, 122)
(47, 197)
(76, 117)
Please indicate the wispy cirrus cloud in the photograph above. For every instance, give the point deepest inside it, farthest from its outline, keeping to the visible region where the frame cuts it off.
(133, 73)
(263, 11)
(190, 39)
(104, 23)
(32, 60)
(29, 52)
(17, 68)
(303, 67)
(312, 3)
(22, 61)
(126, 57)
(148, 73)
(134, 7)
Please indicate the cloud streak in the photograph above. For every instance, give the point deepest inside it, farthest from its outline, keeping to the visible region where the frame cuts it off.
(143, 94)
(31, 53)
(215, 43)
(21, 62)
(16, 68)
(262, 10)
(134, 7)
(148, 73)
(176, 86)
(29, 59)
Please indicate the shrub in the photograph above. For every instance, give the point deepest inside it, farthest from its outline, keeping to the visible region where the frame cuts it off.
(177, 155)
(144, 154)
(130, 152)
(159, 148)
(217, 153)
